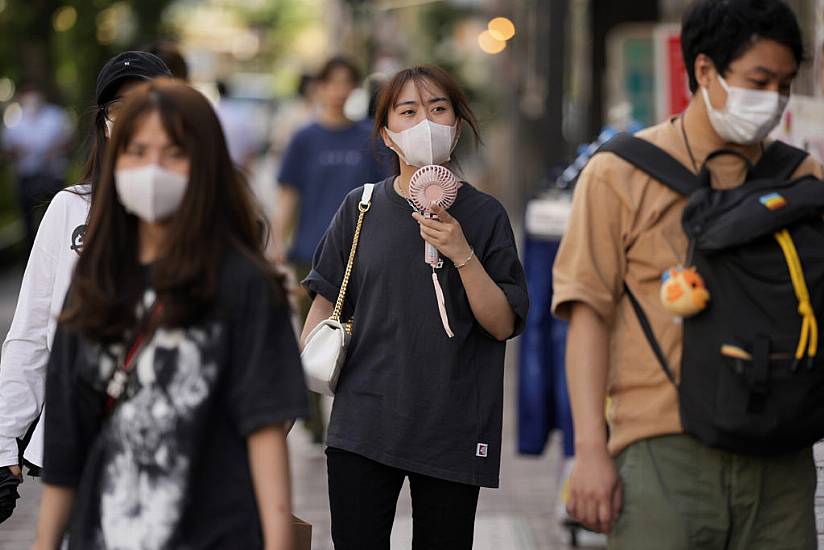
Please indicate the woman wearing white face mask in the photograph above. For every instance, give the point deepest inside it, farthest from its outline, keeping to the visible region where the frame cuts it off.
(175, 367)
(420, 394)
(56, 249)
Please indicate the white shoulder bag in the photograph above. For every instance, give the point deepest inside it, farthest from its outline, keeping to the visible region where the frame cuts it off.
(325, 349)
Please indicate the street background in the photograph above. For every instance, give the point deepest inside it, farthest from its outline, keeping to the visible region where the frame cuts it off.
(549, 80)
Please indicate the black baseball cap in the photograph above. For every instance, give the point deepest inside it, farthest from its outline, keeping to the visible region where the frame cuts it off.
(127, 66)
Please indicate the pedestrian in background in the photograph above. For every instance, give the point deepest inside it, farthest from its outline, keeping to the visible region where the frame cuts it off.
(174, 369)
(294, 115)
(241, 127)
(57, 246)
(412, 401)
(323, 163)
(38, 147)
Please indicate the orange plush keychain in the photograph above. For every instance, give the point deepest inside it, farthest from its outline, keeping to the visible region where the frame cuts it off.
(683, 291)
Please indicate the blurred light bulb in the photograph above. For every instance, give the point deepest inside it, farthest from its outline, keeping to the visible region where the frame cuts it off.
(64, 18)
(12, 115)
(245, 46)
(502, 28)
(6, 89)
(489, 44)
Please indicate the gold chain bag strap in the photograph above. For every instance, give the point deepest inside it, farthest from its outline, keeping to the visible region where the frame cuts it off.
(325, 348)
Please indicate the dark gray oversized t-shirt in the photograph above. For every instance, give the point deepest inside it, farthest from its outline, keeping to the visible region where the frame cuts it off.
(409, 396)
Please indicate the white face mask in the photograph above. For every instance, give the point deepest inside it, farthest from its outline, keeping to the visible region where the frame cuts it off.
(748, 116)
(152, 193)
(425, 143)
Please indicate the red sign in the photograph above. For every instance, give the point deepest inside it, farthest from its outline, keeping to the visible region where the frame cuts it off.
(679, 91)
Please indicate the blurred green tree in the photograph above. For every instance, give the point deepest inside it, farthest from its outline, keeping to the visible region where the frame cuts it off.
(62, 45)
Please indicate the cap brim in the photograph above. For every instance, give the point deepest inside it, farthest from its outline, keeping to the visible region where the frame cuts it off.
(108, 91)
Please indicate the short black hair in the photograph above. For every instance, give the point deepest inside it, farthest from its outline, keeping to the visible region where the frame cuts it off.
(339, 62)
(724, 30)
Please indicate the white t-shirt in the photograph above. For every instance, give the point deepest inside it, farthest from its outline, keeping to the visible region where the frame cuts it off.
(28, 343)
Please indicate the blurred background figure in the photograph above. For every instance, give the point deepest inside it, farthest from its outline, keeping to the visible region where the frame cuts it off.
(294, 114)
(37, 146)
(324, 161)
(238, 121)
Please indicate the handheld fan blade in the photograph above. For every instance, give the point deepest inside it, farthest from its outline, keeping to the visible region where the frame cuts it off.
(429, 186)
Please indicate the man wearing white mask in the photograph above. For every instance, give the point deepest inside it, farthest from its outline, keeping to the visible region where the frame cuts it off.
(645, 482)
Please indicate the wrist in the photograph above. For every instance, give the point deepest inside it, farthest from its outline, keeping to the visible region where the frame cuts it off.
(595, 444)
(464, 259)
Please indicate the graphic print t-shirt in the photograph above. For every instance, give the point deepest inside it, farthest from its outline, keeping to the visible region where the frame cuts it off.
(169, 467)
(324, 165)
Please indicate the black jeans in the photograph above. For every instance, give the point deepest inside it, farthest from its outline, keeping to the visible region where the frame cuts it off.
(363, 495)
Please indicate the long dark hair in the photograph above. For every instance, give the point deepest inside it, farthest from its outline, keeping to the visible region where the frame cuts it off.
(423, 75)
(96, 144)
(217, 212)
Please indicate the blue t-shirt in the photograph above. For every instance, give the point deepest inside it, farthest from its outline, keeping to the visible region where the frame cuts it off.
(324, 165)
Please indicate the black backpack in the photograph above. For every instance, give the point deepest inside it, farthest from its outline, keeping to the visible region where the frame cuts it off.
(752, 376)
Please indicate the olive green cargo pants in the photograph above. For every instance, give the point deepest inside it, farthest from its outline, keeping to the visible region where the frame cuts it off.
(682, 495)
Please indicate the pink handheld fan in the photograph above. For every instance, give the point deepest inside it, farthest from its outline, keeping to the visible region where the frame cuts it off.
(429, 186)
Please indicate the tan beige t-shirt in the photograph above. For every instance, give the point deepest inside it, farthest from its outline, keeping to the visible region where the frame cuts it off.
(626, 227)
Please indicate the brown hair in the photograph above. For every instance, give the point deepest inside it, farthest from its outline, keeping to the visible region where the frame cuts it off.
(216, 213)
(339, 62)
(422, 75)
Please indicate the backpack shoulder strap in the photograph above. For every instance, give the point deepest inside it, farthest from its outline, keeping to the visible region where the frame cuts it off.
(779, 161)
(654, 161)
(650, 335)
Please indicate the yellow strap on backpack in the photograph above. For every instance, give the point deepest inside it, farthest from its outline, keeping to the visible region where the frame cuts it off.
(808, 340)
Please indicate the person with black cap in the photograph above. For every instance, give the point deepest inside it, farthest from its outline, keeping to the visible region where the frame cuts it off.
(56, 248)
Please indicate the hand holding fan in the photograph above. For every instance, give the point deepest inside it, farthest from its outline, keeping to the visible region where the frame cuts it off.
(430, 186)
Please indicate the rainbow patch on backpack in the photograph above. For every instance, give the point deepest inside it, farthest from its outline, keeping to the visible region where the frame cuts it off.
(773, 201)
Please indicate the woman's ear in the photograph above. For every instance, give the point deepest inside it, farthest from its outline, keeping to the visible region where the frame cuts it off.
(704, 70)
(387, 140)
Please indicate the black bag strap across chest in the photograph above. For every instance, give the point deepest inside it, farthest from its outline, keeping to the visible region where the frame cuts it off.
(654, 161)
(779, 161)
